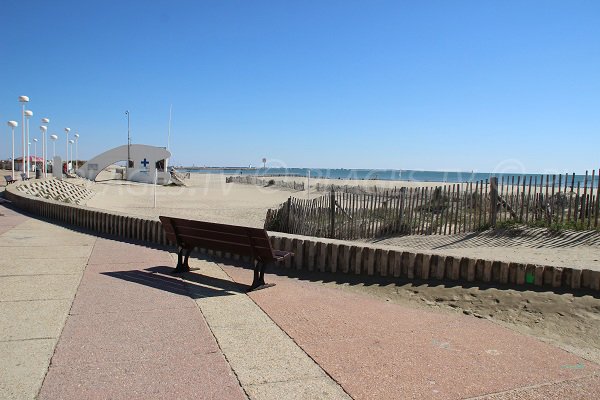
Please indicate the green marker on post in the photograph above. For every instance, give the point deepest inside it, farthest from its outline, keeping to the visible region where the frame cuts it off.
(529, 278)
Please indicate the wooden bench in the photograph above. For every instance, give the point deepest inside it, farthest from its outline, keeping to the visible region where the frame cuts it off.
(24, 177)
(9, 179)
(241, 240)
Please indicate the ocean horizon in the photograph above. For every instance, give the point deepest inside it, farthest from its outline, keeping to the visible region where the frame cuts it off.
(393, 175)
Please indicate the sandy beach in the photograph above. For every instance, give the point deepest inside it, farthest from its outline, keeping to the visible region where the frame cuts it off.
(209, 198)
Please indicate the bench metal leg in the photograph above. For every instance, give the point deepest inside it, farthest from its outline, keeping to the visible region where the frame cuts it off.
(181, 265)
(259, 277)
(187, 258)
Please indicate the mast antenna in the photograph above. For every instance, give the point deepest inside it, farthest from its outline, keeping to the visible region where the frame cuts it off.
(169, 134)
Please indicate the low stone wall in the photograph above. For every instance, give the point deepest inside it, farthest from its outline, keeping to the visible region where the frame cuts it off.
(100, 221)
(323, 255)
(54, 189)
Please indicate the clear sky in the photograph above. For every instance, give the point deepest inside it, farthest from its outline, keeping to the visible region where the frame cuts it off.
(436, 85)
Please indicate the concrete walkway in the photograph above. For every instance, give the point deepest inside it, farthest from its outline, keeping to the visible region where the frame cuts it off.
(88, 317)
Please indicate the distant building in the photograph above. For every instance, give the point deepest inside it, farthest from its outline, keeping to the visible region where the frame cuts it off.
(144, 162)
(36, 162)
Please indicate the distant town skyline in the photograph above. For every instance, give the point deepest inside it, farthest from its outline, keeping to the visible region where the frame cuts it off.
(434, 85)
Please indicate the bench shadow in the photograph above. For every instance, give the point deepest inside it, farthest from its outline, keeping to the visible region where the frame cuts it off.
(189, 284)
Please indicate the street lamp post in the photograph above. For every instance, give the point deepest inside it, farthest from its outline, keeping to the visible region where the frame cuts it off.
(44, 145)
(128, 146)
(67, 130)
(35, 154)
(23, 100)
(76, 155)
(43, 128)
(54, 138)
(28, 114)
(71, 143)
(13, 125)
(28, 161)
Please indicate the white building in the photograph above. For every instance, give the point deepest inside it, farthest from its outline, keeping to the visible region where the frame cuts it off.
(144, 161)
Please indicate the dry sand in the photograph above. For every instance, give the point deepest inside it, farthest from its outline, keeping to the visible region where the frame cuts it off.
(569, 249)
(207, 197)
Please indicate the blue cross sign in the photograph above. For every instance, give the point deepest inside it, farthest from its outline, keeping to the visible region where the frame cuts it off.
(145, 162)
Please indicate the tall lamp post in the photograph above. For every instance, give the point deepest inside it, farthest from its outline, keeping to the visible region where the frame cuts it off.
(54, 138)
(28, 114)
(13, 125)
(71, 143)
(43, 128)
(23, 100)
(28, 161)
(35, 155)
(128, 145)
(67, 130)
(76, 153)
(44, 145)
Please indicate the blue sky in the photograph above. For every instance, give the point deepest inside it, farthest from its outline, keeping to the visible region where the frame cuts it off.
(436, 85)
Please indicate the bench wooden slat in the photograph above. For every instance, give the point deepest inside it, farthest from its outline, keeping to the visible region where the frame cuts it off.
(224, 237)
(213, 226)
(263, 253)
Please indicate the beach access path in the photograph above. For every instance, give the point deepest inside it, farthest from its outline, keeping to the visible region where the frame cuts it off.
(83, 316)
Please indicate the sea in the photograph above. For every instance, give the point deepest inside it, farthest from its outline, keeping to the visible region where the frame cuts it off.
(391, 175)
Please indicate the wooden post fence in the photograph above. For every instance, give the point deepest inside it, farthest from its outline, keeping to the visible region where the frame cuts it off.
(493, 201)
(332, 214)
(354, 213)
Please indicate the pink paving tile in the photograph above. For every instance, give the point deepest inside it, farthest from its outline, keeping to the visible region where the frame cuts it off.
(151, 266)
(128, 336)
(376, 349)
(584, 388)
(129, 287)
(203, 377)
(120, 245)
(106, 252)
(135, 333)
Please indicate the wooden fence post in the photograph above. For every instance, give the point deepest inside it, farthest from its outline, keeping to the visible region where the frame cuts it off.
(332, 213)
(287, 214)
(493, 200)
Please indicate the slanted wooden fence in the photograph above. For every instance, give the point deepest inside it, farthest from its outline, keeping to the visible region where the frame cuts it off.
(253, 180)
(549, 200)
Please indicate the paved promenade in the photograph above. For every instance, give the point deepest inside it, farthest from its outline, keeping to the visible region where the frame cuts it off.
(83, 316)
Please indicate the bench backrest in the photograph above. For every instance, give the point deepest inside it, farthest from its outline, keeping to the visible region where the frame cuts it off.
(8, 178)
(23, 176)
(241, 240)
